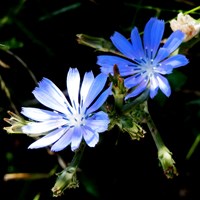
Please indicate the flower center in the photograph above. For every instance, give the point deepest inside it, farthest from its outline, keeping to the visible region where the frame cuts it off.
(77, 120)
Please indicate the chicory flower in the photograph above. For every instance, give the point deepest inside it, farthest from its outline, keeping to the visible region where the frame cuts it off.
(71, 120)
(143, 63)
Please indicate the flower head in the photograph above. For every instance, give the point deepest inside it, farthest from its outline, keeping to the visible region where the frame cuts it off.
(70, 120)
(145, 61)
(187, 25)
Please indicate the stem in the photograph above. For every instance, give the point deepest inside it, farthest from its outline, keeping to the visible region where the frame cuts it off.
(77, 156)
(140, 99)
(67, 178)
(164, 155)
(193, 147)
(155, 134)
(192, 10)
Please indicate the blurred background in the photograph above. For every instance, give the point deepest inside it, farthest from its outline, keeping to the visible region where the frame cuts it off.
(38, 39)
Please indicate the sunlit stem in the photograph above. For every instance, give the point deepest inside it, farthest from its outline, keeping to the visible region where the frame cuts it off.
(139, 100)
(67, 177)
(119, 100)
(100, 44)
(164, 155)
(193, 147)
(192, 10)
(155, 134)
(77, 156)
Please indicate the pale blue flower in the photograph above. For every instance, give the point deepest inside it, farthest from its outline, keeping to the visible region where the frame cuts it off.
(70, 120)
(145, 61)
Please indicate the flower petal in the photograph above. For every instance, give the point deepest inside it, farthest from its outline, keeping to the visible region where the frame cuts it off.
(42, 127)
(100, 101)
(153, 86)
(164, 69)
(99, 122)
(73, 84)
(164, 85)
(95, 88)
(134, 80)
(50, 95)
(40, 114)
(174, 40)
(64, 141)
(139, 89)
(153, 34)
(107, 63)
(86, 84)
(90, 136)
(176, 61)
(76, 138)
(137, 44)
(48, 139)
(162, 54)
(123, 45)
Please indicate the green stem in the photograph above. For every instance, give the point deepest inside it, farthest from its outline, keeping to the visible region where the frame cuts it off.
(192, 10)
(164, 155)
(139, 100)
(67, 178)
(77, 156)
(193, 147)
(155, 134)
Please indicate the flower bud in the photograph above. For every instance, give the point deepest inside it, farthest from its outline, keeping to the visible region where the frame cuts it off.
(167, 162)
(66, 179)
(187, 25)
(16, 121)
(98, 43)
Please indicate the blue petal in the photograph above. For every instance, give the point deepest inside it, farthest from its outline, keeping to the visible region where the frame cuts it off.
(153, 34)
(100, 101)
(164, 85)
(153, 92)
(50, 95)
(42, 127)
(126, 71)
(139, 89)
(40, 114)
(48, 139)
(153, 86)
(76, 138)
(162, 54)
(174, 40)
(137, 44)
(123, 45)
(98, 122)
(64, 141)
(86, 84)
(134, 80)
(95, 88)
(73, 84)
(164, 69)
(91, 137)
(108, 62)
(176, 61)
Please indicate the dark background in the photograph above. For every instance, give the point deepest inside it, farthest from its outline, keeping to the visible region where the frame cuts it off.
(118, 167)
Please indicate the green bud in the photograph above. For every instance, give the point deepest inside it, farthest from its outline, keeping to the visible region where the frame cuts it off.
(135, 131)
(66, 179)
(167, 162)
(98, 43)
(16, 122)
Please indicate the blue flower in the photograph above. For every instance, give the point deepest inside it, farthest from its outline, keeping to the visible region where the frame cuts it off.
(145, 62)
(69, 121)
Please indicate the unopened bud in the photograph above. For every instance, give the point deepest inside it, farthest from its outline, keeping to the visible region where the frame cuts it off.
(66, 179)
